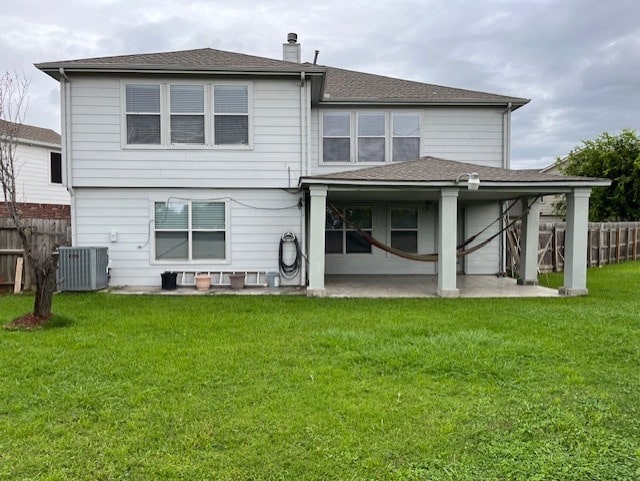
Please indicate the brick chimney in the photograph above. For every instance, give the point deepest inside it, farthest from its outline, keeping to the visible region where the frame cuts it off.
(291, 49)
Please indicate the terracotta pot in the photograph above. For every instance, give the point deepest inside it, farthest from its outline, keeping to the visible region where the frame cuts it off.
(203, 282)
(236, 281)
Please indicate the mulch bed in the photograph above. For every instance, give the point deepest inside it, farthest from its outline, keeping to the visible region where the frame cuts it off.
(27, 322)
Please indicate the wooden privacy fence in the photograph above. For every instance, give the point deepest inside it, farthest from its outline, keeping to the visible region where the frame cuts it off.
(48, 233)
(607, 243)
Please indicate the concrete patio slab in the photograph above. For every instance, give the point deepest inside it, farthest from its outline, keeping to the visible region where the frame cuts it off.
(389, 286)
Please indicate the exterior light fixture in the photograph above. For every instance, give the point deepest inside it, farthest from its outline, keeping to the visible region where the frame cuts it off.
(473, 181)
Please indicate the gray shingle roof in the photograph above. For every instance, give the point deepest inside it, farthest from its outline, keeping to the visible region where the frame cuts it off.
(31, 133)
(198, 59)
(348, 85)
(432, 169)
(340, 85)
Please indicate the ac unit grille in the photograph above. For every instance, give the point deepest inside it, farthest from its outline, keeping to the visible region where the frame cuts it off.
(83, 268)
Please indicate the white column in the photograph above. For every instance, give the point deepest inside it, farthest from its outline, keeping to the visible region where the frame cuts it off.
(575, 243)
(317, 219)
(529, 235)
(447, 229)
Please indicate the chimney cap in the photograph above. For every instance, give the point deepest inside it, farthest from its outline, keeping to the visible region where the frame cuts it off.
(292, 37)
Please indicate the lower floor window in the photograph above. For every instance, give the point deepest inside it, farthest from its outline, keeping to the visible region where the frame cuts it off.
(342, 237)
(404, 228)
(190, 230)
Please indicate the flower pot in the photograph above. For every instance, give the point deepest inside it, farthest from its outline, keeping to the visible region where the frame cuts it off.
(203, 282)
(236, 281)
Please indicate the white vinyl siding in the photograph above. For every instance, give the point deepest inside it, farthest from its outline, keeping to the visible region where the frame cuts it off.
(101, 157)
(34, 176)
(477, 217)
(463, 134)
(256, 219)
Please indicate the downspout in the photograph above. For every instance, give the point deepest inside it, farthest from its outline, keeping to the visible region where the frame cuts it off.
(506, 162)
(65, 110)
(303, 170)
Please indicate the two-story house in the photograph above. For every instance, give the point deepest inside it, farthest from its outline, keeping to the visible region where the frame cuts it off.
(40, 192)
(203, 160)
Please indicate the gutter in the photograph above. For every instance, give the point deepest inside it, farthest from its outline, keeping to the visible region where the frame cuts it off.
(65, 110)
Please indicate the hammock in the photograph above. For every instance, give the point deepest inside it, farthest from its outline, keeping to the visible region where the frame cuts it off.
(433, 257)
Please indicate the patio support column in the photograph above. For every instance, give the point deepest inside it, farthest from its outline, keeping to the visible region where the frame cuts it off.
(447, 230)
(575, 243)
(317, 219)
(529, 239)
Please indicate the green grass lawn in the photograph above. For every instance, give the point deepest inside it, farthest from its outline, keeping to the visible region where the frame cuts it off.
(290, 388)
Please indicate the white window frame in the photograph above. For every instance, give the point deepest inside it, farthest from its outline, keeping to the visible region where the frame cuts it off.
(384, 136)
(165, 116)
(170, 114)
(350, 137)
(189, 261)
(344, 229)
(391, 229)
(392, 137)
(354, 135)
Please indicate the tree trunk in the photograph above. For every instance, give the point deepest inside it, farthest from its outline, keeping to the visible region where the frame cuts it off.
(45, 288)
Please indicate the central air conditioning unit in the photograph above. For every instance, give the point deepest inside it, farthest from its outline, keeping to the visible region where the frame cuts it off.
(83, 268)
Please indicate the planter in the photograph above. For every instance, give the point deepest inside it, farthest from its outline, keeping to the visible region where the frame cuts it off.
(203, 282)
(169, 281)
(236, 280)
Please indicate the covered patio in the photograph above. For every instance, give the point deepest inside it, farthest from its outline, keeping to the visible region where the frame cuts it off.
(445, 185)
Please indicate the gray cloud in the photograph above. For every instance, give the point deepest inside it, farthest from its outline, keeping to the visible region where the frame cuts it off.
(578, 60)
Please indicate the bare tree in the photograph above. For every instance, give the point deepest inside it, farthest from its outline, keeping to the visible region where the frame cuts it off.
(14, 97)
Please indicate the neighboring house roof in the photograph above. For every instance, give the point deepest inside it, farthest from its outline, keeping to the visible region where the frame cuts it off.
(31, 133)
(437, 171)
(339, 85)
(555, 167)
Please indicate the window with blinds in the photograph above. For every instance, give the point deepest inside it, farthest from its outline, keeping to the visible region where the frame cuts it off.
(190, 230)
(143, 113)
(187, 114)
(231, 114)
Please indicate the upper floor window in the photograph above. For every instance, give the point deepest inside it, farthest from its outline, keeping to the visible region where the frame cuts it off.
(371, 133)
(56, 167)
(231, 114)
(187, 114)
(143, 113)
(368, 136)
(336, 137)
(406, 136)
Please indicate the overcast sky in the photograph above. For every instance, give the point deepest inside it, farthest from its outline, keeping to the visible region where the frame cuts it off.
(577, 60)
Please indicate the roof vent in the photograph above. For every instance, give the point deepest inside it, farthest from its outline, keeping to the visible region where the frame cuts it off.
(291, 49)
